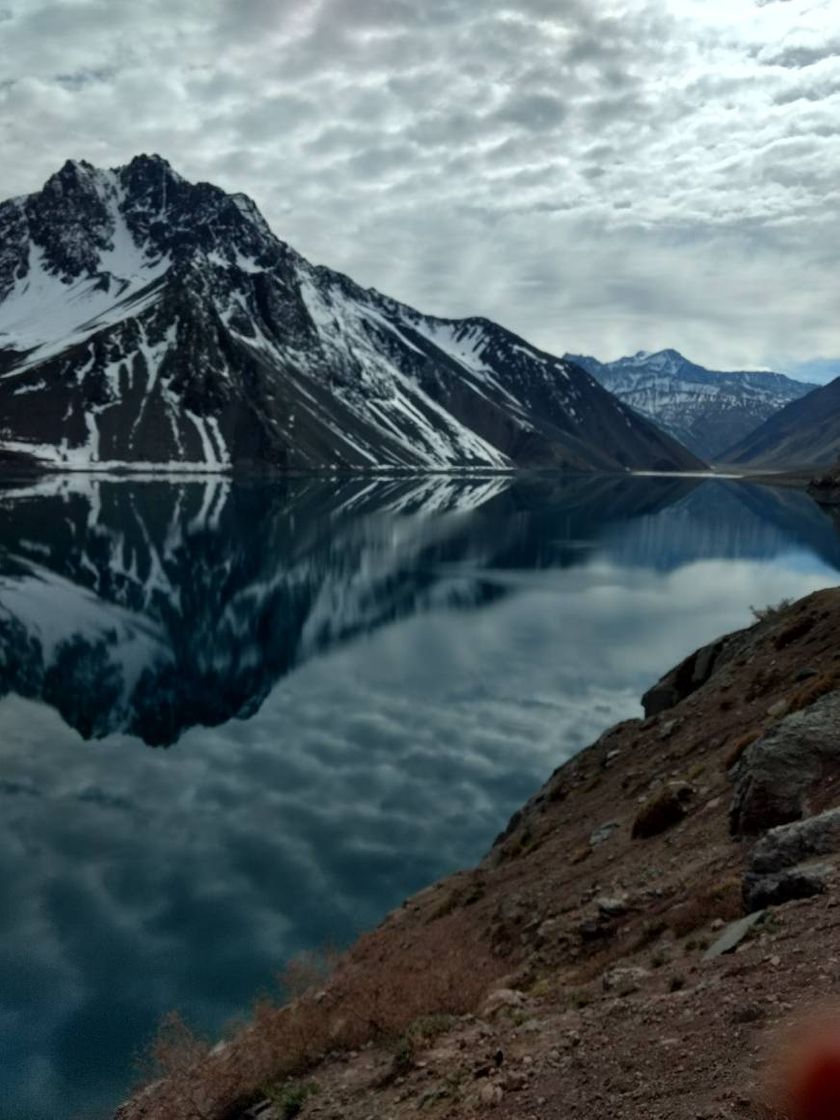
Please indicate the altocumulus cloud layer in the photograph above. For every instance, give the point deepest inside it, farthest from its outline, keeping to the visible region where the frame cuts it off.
(600, 175)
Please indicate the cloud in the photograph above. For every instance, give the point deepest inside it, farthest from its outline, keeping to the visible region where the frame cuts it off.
(463, 132)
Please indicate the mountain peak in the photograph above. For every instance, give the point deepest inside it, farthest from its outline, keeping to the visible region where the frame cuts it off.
(76, 175)
(153, 160)
(706, 410)
(150, 322)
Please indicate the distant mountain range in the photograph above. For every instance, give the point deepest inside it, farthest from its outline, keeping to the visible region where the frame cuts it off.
(148, 322)
(708, 411)
(804, 434)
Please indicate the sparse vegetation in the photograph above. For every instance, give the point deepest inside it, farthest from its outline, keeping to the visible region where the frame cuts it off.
(814, 689)
(446, 975)
(289, 1097)
(718, 900)
(770, 611)
(740, 744)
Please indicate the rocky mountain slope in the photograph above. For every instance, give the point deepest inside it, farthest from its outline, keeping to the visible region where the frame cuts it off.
(632, 945)
(706, 410)
(805, 433)
(149, 322)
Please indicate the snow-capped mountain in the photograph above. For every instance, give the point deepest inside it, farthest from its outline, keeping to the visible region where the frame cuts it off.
(706, 410)
(149, 322)
(806, 433)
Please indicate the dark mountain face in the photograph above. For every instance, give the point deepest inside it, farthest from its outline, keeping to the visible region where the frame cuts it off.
(805, 434)
(149, 322)
(706, 410)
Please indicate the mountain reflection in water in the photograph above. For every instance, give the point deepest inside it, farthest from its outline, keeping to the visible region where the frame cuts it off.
(363, 678)
(151, 607)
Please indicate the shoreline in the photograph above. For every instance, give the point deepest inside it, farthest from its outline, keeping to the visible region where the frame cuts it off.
(591, 917)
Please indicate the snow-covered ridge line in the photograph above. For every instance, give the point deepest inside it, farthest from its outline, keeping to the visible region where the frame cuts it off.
(707, 410)
(147, 323)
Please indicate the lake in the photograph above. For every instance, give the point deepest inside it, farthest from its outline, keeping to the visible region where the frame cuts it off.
(241, 720)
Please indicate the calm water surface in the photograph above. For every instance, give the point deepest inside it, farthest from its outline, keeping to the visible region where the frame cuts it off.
(242, 720)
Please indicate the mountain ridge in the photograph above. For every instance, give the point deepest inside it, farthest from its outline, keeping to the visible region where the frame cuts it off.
(155, 323)
(805, 433)
(707, 410)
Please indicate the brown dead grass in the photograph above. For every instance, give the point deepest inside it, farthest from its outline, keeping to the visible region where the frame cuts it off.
(720, 900)
(814, 689)
(441, 974)
(740, 744)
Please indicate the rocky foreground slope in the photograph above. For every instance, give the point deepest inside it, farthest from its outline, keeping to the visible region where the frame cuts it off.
(151, 323)
(630, 946)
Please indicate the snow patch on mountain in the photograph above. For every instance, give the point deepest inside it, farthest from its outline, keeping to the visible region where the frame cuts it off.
(706, 410)
(149, 323)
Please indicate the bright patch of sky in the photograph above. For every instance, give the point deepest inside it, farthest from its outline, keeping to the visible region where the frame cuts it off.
(603, 176)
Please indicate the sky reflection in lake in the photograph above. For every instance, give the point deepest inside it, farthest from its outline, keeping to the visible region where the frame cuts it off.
(356, 681)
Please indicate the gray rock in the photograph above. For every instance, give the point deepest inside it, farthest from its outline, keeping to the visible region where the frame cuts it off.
(780, 708)
(792, 844)
(624, 981)
(775, 773)
(784, 886)
(612, 907)
(733, 935)
(602, 833)
(805, 675)
(692, 673)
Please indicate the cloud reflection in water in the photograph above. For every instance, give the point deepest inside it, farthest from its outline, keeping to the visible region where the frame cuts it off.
(361, 682)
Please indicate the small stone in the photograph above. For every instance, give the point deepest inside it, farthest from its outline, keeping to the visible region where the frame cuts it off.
(490, 1095)
(805, 675)
(779, 709)
(624, 981)
(612, 907)
(784, 886)
(733, 935)
(502, 999)
(602, 833)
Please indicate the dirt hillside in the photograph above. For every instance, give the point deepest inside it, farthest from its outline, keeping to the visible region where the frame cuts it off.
(597, 963)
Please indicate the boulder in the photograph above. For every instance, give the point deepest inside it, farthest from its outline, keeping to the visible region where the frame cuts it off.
(692, 673)
(792, 844)
(784, 886)
(774, 775)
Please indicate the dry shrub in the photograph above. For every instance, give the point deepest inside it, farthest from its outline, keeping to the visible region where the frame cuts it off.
(664, 809)
(771, 610)
(719, 900)
(368, 998)
(740, 744)
(814, 689)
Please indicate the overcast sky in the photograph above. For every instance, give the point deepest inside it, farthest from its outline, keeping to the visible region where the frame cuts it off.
(600, 175)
